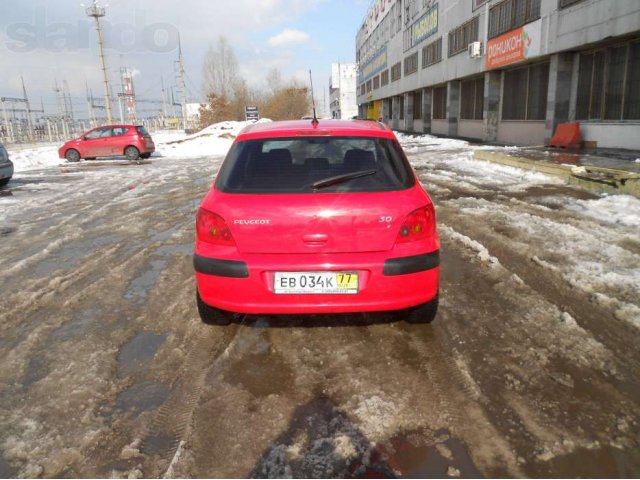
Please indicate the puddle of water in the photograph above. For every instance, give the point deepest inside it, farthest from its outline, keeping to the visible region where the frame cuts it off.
(412, 457)
(80, 324)
(261, 374)
(37, 369)
(166, 234)
(606, 462)
(6, 470)
(142, 397)
(176, 249)
(139, 287)
(138, 352)
(69, 256)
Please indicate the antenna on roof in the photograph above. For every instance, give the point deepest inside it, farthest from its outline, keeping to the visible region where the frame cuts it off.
(313, 102)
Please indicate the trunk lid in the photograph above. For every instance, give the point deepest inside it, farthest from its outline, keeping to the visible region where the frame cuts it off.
(317, 223)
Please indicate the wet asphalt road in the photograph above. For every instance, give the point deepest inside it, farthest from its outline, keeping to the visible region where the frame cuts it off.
(106, 370)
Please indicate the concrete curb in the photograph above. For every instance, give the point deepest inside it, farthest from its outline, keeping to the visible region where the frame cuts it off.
(602, 180)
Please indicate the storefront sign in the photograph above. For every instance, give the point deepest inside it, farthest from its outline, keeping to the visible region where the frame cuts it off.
(426, 26)
(514, 46)
(373, 66)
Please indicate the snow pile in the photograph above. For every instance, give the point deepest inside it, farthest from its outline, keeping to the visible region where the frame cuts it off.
(214, 140)
(615, 209)
(32, 157)
(430, 141)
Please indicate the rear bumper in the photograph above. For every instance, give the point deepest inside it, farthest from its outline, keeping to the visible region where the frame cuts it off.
(6, 170)
(247, 285)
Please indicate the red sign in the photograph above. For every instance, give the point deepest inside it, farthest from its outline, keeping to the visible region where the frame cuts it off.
(507, 48)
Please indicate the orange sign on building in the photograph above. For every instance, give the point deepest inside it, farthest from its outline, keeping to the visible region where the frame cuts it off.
(513, 46)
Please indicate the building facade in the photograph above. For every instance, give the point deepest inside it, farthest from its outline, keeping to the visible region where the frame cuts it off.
(342, 90)
(504, 71)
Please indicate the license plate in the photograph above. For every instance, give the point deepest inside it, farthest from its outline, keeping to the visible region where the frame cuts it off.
(316, 282)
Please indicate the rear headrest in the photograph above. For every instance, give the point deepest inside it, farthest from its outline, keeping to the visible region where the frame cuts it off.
(281, 157)
(357, 159)
(316, 163)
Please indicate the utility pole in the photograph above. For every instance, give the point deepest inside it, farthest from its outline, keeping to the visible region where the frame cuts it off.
(26, 101)
(96, 11)
(183, 86)
(164, 100)
(92, 117)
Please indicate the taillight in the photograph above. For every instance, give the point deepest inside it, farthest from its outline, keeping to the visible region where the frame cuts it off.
(418, 225)
(212, 228)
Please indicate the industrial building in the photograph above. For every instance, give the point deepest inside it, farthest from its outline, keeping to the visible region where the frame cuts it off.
(505, 71)
(342, 90)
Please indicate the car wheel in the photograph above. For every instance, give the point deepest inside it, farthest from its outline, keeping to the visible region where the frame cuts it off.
(72, 155)
(145, 155)
(425, 313)
(211, 315)
(4, 181)
(132, 153)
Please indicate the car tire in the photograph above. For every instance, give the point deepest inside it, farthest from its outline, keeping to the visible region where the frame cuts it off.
(145, 155)
(4, 181)
(424, 313)
(211, 315)
(132, 153)
(72, 155)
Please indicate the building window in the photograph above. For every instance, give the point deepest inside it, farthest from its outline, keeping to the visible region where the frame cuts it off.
(384, 78)
(566, 3)
(609, 84)
(417, 105)
(432, 53)
(462, 36)
(411, 64)
(478, 4)
(440, 102)
(401, 105)
(396, 72)
(472, 99)
(362, 89)
(510, 14)
(368, 85)
(524, 94)
(376, 82)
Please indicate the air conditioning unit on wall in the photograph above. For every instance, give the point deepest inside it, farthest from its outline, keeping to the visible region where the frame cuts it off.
(475, 49)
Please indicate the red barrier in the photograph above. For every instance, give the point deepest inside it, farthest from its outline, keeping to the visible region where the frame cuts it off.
(567, 135)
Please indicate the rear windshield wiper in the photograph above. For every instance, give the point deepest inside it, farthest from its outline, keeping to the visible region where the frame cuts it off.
(329, 182)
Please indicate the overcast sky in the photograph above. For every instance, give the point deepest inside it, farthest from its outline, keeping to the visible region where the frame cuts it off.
(49, 40)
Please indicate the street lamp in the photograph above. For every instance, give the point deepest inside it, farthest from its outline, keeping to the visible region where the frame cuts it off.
(96, 11)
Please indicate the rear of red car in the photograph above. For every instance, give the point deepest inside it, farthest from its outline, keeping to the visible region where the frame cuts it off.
(307, 218)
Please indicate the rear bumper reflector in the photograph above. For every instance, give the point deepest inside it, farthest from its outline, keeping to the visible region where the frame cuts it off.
(414, 264)
(221, 268)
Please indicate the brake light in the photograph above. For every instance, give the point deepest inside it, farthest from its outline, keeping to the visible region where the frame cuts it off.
(212, 228)
(418, 225)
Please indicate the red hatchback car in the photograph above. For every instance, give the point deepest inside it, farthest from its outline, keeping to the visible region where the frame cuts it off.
(132, 141)
(316, 217)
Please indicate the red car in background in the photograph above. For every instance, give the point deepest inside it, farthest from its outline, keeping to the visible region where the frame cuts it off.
(316, 217)
(132, 141)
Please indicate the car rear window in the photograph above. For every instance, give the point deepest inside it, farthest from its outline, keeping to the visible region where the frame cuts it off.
(142, 130)
(315, 164)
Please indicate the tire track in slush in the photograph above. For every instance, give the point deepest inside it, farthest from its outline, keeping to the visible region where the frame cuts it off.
(170, 425)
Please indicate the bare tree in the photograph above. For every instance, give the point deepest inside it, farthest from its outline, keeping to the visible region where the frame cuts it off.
(220, 70)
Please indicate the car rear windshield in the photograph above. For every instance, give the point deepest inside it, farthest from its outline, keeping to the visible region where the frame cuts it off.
(142, 131)
(315, 164)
